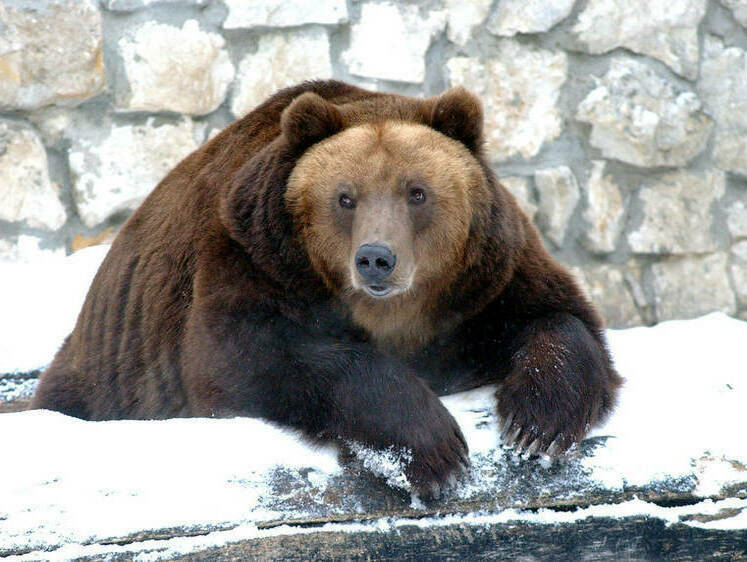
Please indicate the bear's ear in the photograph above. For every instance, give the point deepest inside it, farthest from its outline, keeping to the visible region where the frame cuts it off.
(457, 113)
(308, 119)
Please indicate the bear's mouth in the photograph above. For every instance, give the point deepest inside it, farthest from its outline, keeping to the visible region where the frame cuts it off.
(378, 291)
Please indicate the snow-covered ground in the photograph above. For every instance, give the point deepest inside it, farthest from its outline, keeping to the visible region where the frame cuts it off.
(67, 485)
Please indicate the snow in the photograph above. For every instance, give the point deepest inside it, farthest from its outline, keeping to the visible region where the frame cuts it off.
(68, 484)
(40, 301)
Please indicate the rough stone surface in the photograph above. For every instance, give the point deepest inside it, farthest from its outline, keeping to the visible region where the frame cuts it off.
(667, 31)
(50, 52)
(26, 249)
(609, 288)
(677, 213)
(528, 16)
(736, 219)
(738, 9)
(391, 40)
(131, 5)
(687, 287)
(288, 13)
(171, 69)
(558, 197)
(520, 189)
(26, 192)
(281, 60)
(117, 173)
(641, 118)
(739, 270)
(723, 89)
(519, 89)
(604, 211)
(462, 16)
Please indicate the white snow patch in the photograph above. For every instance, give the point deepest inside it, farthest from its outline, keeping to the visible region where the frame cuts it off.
(388, 464)
(39, 303)
(684, 399)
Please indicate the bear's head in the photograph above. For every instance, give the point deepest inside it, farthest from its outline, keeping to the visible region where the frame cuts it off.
(387, 209)
(384, 201)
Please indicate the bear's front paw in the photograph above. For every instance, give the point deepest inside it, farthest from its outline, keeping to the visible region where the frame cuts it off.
(542, 421)
(439, 454)
(434, 469)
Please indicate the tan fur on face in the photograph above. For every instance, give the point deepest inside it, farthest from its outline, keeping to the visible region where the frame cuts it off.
(372, 161)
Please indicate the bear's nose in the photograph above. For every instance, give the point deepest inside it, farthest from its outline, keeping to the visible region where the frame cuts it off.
(374, 262)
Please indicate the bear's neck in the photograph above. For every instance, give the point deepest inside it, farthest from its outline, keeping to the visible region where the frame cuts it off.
(401, 326)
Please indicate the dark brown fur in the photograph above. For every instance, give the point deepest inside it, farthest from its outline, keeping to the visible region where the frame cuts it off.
(208, 304)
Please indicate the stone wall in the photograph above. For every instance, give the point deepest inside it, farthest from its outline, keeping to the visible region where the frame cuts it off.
(620, 125)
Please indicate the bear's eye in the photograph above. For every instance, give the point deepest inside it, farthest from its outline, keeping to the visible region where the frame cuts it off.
(416, 196)
(346, 202)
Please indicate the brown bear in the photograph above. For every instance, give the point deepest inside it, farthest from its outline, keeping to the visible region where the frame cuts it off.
(333, 262)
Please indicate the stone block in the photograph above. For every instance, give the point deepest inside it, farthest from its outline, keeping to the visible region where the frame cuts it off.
(281, 60)
(117, 173)
(738, 270)
(520, 189)
(690, 286)
(26, 192)
(677, 213)
(604, 212)
(736, 219)
(528, 16)
(462, 16)
(288, 13)
(184, 70)
(611, 289)
(27, 249)
(723, 89)
(50, 53)
(519, 89)
(667, 31)
(643, 119)
(558, 197)
(132, 5)
(738, 9)
(390, 41)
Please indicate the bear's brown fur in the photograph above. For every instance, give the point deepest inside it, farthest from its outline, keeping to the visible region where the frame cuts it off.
(239, 288)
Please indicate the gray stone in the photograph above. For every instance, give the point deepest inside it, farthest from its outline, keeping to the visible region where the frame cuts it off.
(462, 16)
(730, 150)
(528, 16)
(117, 173)
(738, 9)
(26, 192)
(609, 288)
(667, 31)
(132, 5)
(288, 13)
(281, 60)
(686, 287)
(604, 211)
(643, 119)
(738, 271)
(52, 123)
(50, 53)
(171, 69)
(723, 89)
(519, 89)
(736, 219)
(390, 41)
(677, 213)
(519, 188)
(558, 197)
(26, 249)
